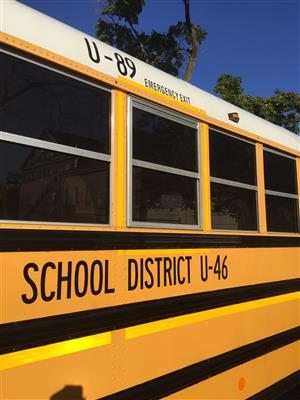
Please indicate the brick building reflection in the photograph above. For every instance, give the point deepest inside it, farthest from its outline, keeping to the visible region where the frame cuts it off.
(54, 186)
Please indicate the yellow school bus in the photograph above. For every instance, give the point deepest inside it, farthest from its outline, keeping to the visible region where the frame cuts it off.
(149, 230)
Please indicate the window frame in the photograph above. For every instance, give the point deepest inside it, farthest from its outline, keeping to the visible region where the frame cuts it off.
(135, 102)
(38, 143)
(282, 194)
(228, 182)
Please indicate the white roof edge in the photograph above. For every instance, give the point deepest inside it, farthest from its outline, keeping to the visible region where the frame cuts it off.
(74, 47)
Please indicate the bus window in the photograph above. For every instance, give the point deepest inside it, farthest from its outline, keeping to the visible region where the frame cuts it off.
(37, 102)
(281, 192)
(233, 182)
(165, 167)
(56, 151)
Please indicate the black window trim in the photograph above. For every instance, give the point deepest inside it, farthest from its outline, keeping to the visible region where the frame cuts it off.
(37, 143)
(135, 102)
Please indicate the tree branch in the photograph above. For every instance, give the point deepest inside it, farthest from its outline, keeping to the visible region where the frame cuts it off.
(141, 46)
(195, 43)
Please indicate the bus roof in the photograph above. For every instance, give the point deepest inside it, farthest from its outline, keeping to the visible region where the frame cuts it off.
(24, 23)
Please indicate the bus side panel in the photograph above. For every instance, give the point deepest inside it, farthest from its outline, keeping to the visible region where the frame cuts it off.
(247, 379)
(125, 362)
(53, 283)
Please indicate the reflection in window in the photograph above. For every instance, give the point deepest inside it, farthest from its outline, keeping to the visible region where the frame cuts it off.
(233, 183)
(163, 141)
(232, 159)
(41, 185)
(39, 103)
(163, 197)
(233, 208)
(282, 214)
(280, 173)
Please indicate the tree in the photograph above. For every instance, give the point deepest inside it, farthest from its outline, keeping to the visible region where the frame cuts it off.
(118, 26)
(167, 51)
(282, 108)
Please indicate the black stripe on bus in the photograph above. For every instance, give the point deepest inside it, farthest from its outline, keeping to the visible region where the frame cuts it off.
(181, 379)
(287, 389)
(41, 331)
(51, 240)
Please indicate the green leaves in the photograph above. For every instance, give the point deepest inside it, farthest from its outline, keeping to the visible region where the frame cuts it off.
(128, 10)
(181, 33)
(285, 109)
(167, 51)
(282, 108)
(229, 88)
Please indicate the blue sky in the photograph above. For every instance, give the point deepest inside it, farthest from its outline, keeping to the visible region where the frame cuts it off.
(258, 40)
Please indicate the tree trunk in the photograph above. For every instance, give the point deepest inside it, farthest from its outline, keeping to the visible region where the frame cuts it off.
(195, 44)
